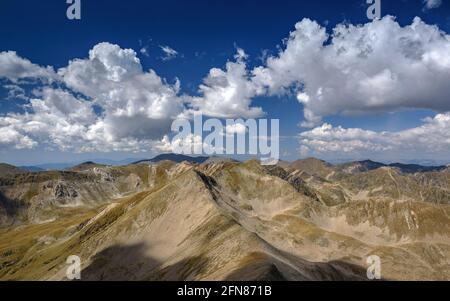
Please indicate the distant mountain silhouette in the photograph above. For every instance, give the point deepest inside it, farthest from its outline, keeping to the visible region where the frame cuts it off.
(32, 168)
(413, 168)
(178, 158)
(368, 165)
(7, 169)
(310, 163)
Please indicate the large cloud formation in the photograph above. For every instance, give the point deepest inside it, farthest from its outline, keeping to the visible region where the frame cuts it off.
(136, 107)
(108, 102)
(433, 137)
(136, 104)
(376, 67)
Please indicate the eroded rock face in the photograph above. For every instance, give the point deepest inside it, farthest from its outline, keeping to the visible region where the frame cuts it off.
(228, 221)
(37, 196)
(104, 174)
(63, 191)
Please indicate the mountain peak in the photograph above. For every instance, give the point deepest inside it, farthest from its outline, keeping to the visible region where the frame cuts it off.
(8, 169)
(85, 165)
(178, 158)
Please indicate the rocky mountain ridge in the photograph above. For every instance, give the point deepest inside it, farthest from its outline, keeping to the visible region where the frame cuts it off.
(225, 220)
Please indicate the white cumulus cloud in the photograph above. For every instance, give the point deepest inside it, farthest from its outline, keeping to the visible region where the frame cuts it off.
(360, 69)
(136, 104)
(228, 93)
(14, 68)
(431, 138)
(136, 108)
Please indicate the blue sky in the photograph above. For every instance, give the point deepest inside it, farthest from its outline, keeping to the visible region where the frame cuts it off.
(206, 35)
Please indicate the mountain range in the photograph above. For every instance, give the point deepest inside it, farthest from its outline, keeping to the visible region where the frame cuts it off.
(178, 218)
(366, 164)
(65, 165)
